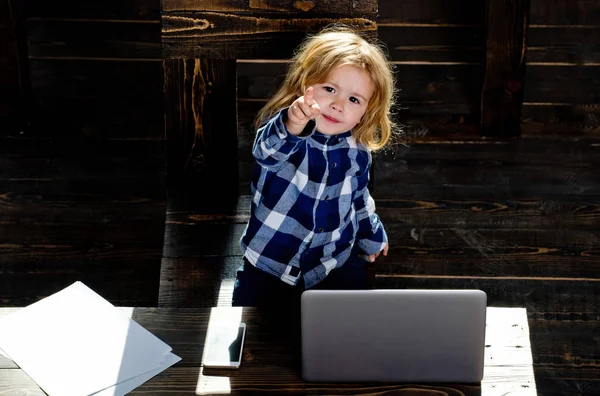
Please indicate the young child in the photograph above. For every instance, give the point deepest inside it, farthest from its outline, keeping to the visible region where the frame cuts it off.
(312, 222)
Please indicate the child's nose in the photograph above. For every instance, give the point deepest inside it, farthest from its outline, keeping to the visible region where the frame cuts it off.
(337, 105)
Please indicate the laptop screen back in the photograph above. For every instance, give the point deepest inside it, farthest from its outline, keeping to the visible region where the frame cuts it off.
(393, 335)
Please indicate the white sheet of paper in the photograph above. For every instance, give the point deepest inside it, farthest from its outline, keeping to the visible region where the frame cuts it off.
(4, 354)
(75, 343)
(127, 386)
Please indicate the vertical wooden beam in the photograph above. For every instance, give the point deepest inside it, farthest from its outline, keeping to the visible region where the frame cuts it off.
(502, 93)
(15, 88)
(201, 125)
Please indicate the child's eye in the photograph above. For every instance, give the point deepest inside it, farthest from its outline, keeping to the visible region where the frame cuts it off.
(354, 100)
(328, 89)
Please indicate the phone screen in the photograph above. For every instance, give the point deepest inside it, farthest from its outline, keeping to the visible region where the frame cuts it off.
(223, 346)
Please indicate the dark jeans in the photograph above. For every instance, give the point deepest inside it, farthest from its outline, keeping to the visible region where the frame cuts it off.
(256, 288)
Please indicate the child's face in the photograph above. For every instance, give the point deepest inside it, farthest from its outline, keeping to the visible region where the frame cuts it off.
(343, 99)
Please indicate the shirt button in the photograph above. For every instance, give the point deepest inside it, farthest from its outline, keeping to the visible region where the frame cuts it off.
(334, 164)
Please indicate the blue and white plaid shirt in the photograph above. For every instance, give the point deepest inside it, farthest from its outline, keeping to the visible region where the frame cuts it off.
(310, 203)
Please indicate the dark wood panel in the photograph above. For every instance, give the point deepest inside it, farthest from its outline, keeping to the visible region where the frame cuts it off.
(81, 210)
(565, 343)
(202, 240)
(94, 9)
(421, 83)
(565, 354)
(138, 188)
(197, 282)
(35, 202)
(485, 214)
(429, 250)
(502, 245)
(15, 90)
(289, 7)
(80, 237)
(81, 79)
(585, 115)
(565, 12)
(106, 99)
(419, 123)
(562, 84)
(573, 380)
(451, 124)
(434, 12)
(566, 44)
(93, 39)
(230, 36)
(535, 295)
(507, 24)
(439, 183)
(59, 167)
(201, 123)
(524, 153)
(125, 275)
(532, 214)
(562, 122)
(434, 43)
(505, 171)
(562, 131)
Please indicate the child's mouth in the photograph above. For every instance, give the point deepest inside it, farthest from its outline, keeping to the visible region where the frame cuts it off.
(331, 119)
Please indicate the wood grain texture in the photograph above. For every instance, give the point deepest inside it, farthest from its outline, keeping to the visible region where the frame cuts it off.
(432, 44)
(271, 361)
(81, 210)
(15, 382)
(563, 84)
(201, 122)
(15, 87)
(289, 7)
(230, 36)
(97, 99)
(562, 122)
(509, 170)
(429, 250)
(420, 87)
(574, 296)
(565, 12)
(563, 44)
(198, 282)
(502, 93)
(431, 12)
(141, 10)
(82, 39)
(562, 70)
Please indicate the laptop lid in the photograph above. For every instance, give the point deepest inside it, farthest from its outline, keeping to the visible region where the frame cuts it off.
(393, 335)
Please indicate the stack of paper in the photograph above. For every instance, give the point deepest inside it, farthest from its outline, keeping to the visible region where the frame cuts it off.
(75, 343)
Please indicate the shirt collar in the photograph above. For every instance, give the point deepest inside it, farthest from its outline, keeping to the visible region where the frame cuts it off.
(322, 138)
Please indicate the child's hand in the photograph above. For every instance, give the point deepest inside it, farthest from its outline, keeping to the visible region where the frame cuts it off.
(301, 111)
(384, 251)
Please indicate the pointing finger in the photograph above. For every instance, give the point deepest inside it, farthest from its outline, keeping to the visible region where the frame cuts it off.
(308, 96)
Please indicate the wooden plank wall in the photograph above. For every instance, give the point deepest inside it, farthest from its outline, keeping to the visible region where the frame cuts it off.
(517, 218)
(83, 191)
(14, 87)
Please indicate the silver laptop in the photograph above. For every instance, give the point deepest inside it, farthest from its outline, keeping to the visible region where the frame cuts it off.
(393, 335)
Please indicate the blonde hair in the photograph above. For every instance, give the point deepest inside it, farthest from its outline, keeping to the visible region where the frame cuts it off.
(317, 56)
